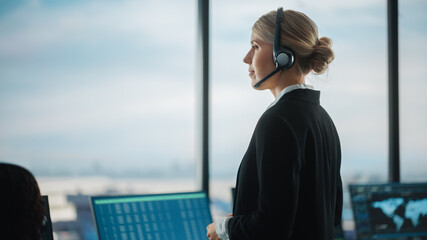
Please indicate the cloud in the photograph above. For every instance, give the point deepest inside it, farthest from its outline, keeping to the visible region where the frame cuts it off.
(94, 106)
(36, 26)
(237, 13)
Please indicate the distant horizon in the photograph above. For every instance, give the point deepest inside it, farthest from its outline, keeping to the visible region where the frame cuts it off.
(159, 174)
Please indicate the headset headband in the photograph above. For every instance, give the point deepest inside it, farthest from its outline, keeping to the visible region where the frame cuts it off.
(283, 56)
(276, 42)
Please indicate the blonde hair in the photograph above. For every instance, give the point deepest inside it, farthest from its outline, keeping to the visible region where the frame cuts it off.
(300, 34)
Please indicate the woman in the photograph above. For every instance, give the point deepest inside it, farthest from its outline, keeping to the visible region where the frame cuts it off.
(289, 184)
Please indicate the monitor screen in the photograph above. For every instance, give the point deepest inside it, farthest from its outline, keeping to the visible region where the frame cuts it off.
(158, 216)
(390, 211)
(47, 233)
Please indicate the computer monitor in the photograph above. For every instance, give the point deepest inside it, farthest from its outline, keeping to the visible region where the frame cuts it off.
(156, 216)
(390, 211)
(47, 233)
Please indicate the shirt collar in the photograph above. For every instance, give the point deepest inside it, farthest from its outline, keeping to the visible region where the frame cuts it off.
(289, 89)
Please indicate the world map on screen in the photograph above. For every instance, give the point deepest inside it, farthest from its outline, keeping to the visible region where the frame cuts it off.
(406, 214)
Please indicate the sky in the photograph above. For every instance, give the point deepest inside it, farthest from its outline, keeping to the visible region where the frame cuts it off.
(109, 87)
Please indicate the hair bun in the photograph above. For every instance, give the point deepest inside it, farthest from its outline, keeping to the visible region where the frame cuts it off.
(322, 55)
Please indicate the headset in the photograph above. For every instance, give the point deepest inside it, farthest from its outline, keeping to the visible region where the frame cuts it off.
(283, 57)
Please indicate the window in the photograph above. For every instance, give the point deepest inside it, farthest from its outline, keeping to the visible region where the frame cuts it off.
(353, 90)
(98, 97)
(412, 72)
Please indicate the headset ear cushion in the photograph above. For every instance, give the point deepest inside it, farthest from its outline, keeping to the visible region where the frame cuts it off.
(282, 59)
(285, 59)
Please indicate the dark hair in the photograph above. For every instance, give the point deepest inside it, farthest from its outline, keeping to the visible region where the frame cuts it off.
(21, 205)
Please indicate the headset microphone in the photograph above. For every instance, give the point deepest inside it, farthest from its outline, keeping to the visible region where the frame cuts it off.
(266, 77)
(283, 57)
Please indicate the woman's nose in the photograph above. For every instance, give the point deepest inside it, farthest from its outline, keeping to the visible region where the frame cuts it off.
(247, 59)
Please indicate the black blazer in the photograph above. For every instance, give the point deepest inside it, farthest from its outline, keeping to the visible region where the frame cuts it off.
(289, 184)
